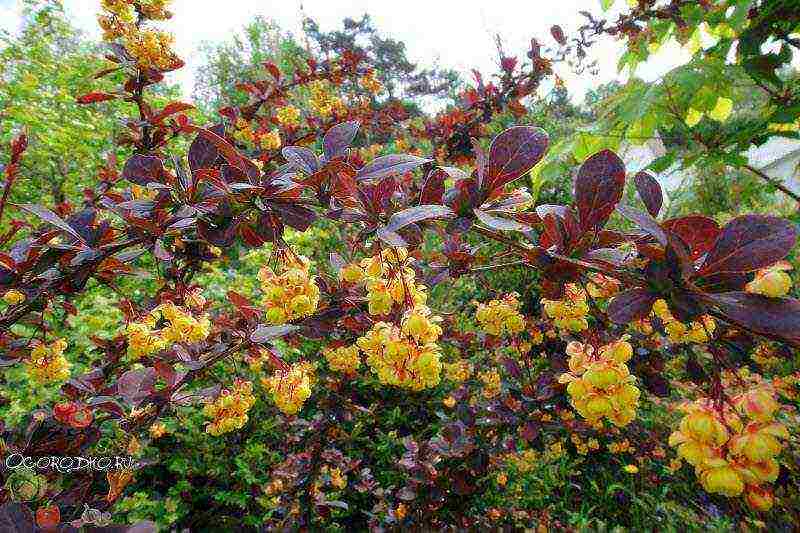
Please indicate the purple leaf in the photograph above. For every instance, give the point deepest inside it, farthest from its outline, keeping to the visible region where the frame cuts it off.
(772, 317)
(390, 165)
(51, 218)
(500, 223)
(338, 139)
(265, 333)
(645, 222)
(406, 217)
(598, 188)
(749, 243)
(514, 152)
(143, 169)
(650, 192)
(631, 305)
(134, 385)
(301, 158)
(202, 153)
(412, 215)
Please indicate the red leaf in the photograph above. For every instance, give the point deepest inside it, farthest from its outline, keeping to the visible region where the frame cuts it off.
(273, 69)
(514, 152)
(171, 109)
(771, 317)
(558, 35)
(748, 243)
(598, 188)
(226, 149)
(433, 187)
(698, 232)
(93, 98)
(650, 192)
(631, 305)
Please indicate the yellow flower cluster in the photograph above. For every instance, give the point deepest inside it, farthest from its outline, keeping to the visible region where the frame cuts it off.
(178, 325)
(245, 133)
(389, 280)
(288, 116)
(47, 363)
(13, 297)
(501, 316)
(680, 333)
(322, 100)
(491, 382)
(583, 447)
(458, 371)
(370, 84)
(271, 140)
(765, 355)
(405, 356)
(733, 450)
(600, 384)
(291, 293)
(772, 281)
(291, 387)
(601, 286)
(155, 9)
(229, 410)
(569, 313)
(343, 359)
(151, 49)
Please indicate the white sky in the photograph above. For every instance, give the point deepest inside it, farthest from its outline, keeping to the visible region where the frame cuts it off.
(457, 33)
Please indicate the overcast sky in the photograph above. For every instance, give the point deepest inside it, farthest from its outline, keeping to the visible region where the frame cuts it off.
(457, 33)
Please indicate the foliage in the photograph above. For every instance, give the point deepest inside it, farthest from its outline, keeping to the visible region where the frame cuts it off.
(301, 354)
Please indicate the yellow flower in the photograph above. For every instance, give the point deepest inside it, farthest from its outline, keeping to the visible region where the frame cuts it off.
(271, 140)
(631, 469)
(13, 297)
(449, 402)
(772, 281)
(343, 359)
(501, 316)
(288, 116)
(491, 382)
(458, 371)
(399, 359)
(721, 478)
(693, 117)
(228, 411)
(569, 314)
(47, 363)
(157, 430)
(351, 273)
(291, 387)
(370, 84)
(338, 479)
(722, 109)
(291, 293)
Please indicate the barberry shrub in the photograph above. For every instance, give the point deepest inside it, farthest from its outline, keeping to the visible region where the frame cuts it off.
(344, 396)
